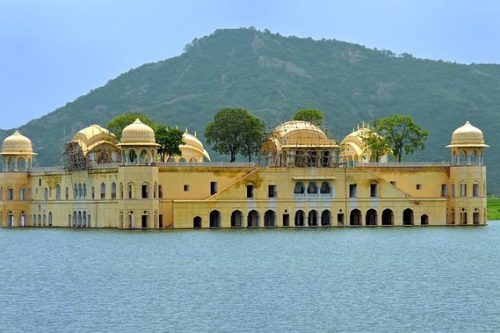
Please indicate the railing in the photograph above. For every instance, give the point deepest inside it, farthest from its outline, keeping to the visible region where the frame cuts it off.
(402, 164)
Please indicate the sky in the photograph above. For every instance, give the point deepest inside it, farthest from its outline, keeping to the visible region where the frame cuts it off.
(52, 52)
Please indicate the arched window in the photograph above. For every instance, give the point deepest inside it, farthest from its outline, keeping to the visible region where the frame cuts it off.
(355, 217)
(236, 219)
(269, 218)
(312, 188)
(113, 190)
(197, 222)
(326, 217)
(145, 191)
(312, 218)
(46, 194)
(408, 217)
(253, 219)
(371, 217)
(80, 191)
(130, 190)
(50, 219)
(387, 217)
(214, 219)
(424, 219)
(155, 190)
(84, 191)
(143, 157)
(299, 218)
(299, 188)
(58, 192)
(325, 188)
(103, 191)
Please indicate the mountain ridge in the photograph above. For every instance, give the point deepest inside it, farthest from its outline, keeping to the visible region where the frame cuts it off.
(273, 76)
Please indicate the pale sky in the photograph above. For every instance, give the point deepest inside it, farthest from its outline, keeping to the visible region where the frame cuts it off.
(52, 51)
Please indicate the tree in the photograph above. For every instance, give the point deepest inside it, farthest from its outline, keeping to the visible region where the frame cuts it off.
(169, 140)
(252, 137)
(401, 134)
(311, 115)
(234, 131)
(377, 144)
(118, 123)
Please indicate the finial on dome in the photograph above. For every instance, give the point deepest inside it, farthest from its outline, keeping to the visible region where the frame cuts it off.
(186, 130)
(467, 122)
(137, 121)
(195, 134)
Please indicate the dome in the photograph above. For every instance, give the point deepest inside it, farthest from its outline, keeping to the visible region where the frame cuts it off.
(467, 136)
(193, 144)
(93, 136)
(17, 144)
(300, 133)
(138, 134)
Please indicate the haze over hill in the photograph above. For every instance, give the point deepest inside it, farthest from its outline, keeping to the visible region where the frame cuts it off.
(272, 76)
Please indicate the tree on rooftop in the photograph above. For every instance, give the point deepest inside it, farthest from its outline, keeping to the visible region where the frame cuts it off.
(311, 115)
(401, 134)
(118, 123)
(169, 140)
(234, 131)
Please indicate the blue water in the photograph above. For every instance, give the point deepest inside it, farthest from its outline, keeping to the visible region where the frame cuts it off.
(366, 279)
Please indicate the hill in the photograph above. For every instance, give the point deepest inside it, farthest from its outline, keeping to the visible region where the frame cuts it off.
(272, 76)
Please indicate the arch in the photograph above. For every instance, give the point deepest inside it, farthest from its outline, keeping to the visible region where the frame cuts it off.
(11, 164)
(39, 219)
(408, 217)
(355, 217)
(145, 190)
(253, 219)
(182, 160)
(11, 221)
(236, 219)
(44, 219)
(193, 160)
(197, 222)
(371, 217)
(312, 188)
(22, 219)
(21, 164)
(326, 218)
(214, 219)
(270, 218)
(80, 219)
(121, 220)
(84, 220)
(325, 188)
(58, 192)
(476, 217)
(80, 191)
(299, 218)
(132, 156)
(424, 219)
(131, 220)
(312, 218)
(155, 190)
(387, 217)
(74, 219)
(143, 158)
(299, 188)
(113, 190)
(50, 219)
(131, 189)
(103, 191)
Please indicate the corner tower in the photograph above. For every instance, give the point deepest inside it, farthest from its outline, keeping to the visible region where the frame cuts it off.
(467, 176)
(17, 153)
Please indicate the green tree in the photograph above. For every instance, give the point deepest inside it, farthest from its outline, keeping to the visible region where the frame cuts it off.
(401, 134)
(253, 137)
(377, 144)
(169, 140)
(118, 123)
(234, 131)
(311, 115)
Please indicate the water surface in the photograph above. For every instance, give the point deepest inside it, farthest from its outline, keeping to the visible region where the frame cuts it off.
(363, 279)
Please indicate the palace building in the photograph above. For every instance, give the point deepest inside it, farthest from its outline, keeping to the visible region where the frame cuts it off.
(308, 180)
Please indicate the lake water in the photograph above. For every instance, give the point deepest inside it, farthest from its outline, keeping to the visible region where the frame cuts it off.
(353, 279)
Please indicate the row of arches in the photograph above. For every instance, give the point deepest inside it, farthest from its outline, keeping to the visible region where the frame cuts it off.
(128, 220)
(312, 218)
(80, 219)
(312, 188)
(128, 192)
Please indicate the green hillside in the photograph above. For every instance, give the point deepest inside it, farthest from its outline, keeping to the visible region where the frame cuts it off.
(273, 76)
